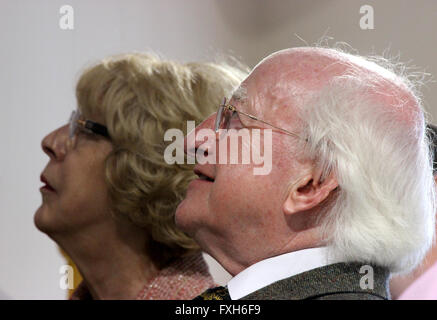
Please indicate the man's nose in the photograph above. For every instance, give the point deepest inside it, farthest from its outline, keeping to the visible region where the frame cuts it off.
(196, 138)
(55, 144)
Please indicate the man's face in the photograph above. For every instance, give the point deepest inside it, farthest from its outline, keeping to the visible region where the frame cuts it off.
(239, 214)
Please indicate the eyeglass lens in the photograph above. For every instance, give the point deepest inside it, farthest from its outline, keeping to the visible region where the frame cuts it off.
(227, 119)
(73, 122)
(218, 118)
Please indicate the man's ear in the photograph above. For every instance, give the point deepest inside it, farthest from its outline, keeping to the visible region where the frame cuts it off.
(309, 191)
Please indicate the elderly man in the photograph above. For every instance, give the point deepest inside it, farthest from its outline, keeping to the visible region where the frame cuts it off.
(349, 197)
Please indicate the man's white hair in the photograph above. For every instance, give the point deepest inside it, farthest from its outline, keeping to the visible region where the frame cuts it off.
(383, 211)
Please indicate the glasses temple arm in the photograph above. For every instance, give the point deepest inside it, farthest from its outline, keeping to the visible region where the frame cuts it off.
(255, 118)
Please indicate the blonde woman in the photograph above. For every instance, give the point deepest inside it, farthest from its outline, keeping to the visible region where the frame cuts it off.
(109, 197)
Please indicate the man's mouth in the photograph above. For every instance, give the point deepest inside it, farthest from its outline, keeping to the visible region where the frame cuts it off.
(203, 176)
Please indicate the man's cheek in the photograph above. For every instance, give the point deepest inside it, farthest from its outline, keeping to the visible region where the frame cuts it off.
(223, 198)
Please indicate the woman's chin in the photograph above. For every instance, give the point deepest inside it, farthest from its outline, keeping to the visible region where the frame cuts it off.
(43, 221)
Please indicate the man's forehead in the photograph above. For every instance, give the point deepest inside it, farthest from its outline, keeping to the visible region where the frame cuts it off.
(264, 91)
(281, 82)
(297, 72)
(263, 104)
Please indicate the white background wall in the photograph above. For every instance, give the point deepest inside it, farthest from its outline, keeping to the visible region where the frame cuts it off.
(40, 64)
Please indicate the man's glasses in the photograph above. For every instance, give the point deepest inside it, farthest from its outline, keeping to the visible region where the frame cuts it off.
(78, 123)
(227, 115)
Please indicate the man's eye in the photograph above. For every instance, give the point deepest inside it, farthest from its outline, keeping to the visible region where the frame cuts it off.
(235, 123)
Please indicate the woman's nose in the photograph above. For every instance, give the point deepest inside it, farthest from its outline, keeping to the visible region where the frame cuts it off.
(55, 143)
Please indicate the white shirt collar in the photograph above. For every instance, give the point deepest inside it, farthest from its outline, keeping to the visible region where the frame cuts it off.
(268, 271)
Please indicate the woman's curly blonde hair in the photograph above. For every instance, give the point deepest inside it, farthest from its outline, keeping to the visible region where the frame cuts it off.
(140, 96)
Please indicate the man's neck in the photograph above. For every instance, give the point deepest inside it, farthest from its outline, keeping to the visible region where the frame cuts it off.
(234, 260)
(113, 266)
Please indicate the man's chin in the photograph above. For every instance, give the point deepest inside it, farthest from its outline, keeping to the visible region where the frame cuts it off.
(184, 218)
(179, 217)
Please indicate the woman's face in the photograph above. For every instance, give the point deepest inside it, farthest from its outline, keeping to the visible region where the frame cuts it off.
(74, 195)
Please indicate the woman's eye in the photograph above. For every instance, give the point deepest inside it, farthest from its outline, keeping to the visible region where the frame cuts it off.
(85, 133)
(82, 131)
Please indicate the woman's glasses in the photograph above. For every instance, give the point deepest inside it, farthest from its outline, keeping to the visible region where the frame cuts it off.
(78, 123)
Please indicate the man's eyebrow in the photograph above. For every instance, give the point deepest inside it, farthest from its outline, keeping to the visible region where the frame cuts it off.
(240, 95)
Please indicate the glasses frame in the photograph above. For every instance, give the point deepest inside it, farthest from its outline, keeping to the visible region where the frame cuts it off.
(225, 106)
(87, 125)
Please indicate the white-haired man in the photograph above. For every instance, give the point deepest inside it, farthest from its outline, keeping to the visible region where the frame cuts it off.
(349, 197)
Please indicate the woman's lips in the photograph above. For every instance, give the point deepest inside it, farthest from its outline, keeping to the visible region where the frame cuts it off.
(46, 186)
